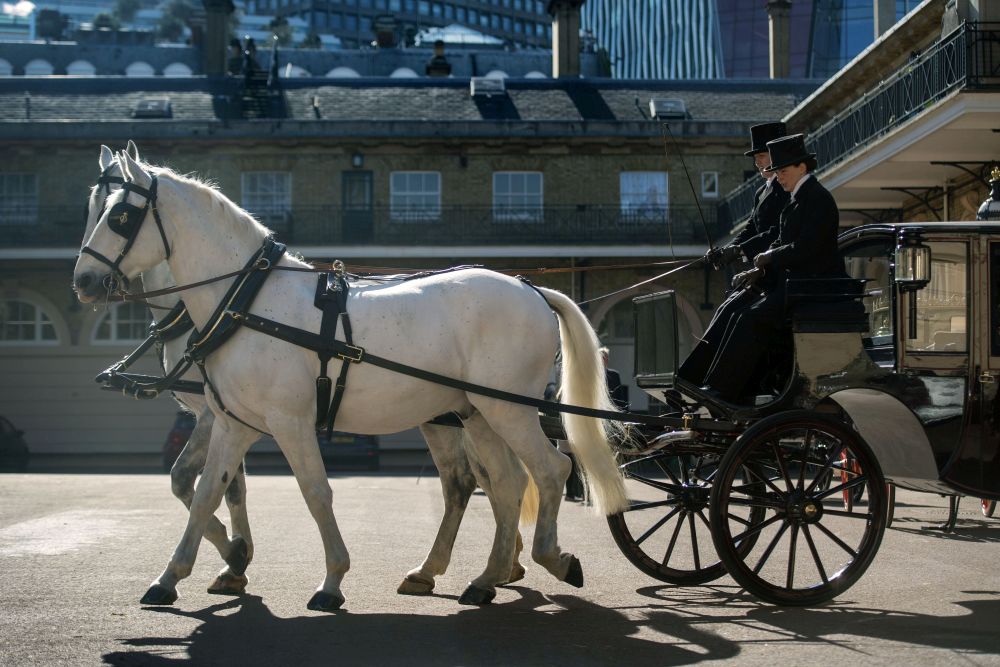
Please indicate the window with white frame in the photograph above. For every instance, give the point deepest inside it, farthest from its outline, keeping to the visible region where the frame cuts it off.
(18, 199)
(710, 184)
(415, 195)
(126, 322)
(517, 196)
(268, 195)
(644, 195)
(25, 323)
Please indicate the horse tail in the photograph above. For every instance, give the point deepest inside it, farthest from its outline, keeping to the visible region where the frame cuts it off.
(584, 384)
(529, 503)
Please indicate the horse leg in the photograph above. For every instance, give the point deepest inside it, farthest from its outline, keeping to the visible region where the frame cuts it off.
(518, 426)
(230, 441)
(298, 444)
(507, 482)
(232, 580)
(457, 485)
(183, 474)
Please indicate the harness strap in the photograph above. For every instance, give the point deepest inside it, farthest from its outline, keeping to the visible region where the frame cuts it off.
(338, 393)
(352, 353)
(331, 298)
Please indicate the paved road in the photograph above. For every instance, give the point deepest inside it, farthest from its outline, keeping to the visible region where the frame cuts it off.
(77, 552)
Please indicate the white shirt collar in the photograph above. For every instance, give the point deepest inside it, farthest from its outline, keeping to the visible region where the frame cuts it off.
(799, 185)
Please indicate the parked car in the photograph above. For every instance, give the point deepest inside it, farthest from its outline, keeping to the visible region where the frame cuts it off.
(13, 448)
(177, 437)
(344, 450)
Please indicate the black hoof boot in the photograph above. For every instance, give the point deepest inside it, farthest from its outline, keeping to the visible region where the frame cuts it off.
(574, 575)
(322, 601)
(159, 595)
(474, 595)
(238, 559)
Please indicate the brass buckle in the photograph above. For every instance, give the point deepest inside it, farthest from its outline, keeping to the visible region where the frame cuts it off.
(354, 355)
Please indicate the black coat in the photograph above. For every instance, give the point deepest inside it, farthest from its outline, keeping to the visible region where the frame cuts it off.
(762, 228)
(806, 246)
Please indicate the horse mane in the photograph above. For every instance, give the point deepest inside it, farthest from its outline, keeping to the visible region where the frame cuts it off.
(222, 209)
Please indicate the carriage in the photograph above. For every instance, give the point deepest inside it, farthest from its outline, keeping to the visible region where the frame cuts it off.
(892, 382)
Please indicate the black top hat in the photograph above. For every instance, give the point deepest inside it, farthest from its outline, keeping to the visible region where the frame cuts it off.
(788, 150)
(763, 133)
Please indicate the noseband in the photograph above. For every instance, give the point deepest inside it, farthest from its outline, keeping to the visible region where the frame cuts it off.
(126, 219)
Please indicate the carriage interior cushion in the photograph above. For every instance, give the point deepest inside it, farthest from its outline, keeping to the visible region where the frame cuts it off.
(827, 305)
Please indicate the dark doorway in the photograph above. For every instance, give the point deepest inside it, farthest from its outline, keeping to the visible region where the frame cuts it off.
(357, 206)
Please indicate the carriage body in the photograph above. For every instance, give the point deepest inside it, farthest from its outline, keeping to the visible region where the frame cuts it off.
(899, 378)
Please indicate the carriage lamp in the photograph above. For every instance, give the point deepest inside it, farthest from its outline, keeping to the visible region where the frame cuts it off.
(913, 269)
(990, 208)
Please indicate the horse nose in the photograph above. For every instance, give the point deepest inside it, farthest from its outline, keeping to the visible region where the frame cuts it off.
(85, 281)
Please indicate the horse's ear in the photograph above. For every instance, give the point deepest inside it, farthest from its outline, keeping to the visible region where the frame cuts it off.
(132, 150)
(107, 157)
(133, 171)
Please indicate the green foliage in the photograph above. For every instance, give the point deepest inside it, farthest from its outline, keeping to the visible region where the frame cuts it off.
(105, 21)
(312, 41)
(279, 28)
(125, 10)
(176, 15)
(50, 24)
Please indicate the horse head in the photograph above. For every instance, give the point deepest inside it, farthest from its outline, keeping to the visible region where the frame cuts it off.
(119, 246)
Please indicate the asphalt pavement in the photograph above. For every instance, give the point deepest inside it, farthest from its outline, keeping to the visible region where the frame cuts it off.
(77, 551)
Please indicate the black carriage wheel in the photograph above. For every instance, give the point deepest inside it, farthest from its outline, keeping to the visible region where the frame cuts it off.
(666, 532)
(809, 549)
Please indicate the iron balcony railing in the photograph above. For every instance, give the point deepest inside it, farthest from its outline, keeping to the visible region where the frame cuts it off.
(967, 58)
(442, 226)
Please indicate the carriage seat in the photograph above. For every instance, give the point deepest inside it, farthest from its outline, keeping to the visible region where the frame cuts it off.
(826, 305)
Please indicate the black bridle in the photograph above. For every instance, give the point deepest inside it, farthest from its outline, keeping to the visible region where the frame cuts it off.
(125, 219)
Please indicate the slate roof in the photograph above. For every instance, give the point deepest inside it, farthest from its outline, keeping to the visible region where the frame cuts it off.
(380, 100)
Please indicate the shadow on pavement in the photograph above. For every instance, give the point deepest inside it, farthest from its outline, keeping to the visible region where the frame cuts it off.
(576, 633)
(838, 623)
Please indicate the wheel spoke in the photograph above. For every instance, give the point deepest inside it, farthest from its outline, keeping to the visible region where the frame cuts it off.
(850, 515)
(776, 447)
(694, 541)
(766, 481)
(701, 515)
(657, 484)
(738, 519)
(757, 501)
(805, 460)
(673, 540)
(790, 579)
(656, 526)
(834, 452)
(636, 506)
(854, 483)
(839, 542)
(669, 473)
(815, 554)
(756, 529)
(770, 547)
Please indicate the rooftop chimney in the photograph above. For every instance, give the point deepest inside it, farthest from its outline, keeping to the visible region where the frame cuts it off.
(565, 37)
(216, 38)
(438, 65)
(385, 27)
(779, 37)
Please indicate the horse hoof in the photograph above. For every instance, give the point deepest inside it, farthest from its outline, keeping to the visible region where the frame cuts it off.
(322, 601)
(229, 584)
(574, 575)
(414, 586)
(238, 557)
(474, 595)
(159, 595)
(516, 574)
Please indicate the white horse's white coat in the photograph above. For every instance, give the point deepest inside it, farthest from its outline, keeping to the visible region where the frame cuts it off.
(474, 325)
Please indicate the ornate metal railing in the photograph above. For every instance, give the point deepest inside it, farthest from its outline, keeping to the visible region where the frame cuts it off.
(967, 58)
(445, 226)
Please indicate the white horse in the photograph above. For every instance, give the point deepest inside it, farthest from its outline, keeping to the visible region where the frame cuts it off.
(460, 474)
(237, 551)
(472, 325)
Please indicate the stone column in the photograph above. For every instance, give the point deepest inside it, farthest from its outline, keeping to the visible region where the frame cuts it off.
(885, 16)
(779, 37)
(214, 45)
(565, 37)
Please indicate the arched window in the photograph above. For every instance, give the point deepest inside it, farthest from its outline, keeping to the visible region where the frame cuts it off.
(177, 70)
(123, 323)
(404, 73)
(5, 68)
(496, 74)
(80, 68)
(342, 73)
(38, 67)
(291, 71)
(25, 323)
(139, 68)
(535, 74)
